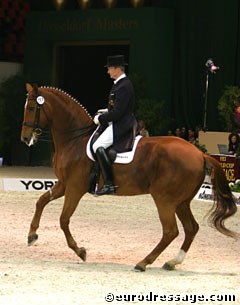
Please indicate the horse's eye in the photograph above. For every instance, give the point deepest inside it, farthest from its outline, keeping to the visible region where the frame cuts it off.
(30, 108)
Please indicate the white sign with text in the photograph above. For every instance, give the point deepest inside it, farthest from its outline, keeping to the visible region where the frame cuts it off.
(31, 184)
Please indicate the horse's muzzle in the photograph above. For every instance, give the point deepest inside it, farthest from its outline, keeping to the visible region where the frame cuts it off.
(30, 141)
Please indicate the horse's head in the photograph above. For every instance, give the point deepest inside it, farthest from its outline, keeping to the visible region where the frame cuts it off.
(34, 120)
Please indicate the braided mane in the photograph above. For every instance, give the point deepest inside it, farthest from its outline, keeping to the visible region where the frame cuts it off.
(66, 98)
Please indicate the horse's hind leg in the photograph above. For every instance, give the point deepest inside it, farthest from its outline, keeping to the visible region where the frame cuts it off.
(190, 227)
(55, 192)
(170, 232)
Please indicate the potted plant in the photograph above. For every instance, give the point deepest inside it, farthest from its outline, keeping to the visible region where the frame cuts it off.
(12, 99)
(227, 104)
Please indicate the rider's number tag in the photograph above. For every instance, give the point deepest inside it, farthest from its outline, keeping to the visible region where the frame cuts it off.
(40, 100)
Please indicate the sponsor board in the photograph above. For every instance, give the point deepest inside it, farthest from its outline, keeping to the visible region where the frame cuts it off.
(35, 184)
(205, 193)
(230, 165)
(24, 184)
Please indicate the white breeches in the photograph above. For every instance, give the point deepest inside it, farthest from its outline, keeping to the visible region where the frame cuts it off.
(105, 139)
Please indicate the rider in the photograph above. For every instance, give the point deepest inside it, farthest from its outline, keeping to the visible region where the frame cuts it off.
(117, 120)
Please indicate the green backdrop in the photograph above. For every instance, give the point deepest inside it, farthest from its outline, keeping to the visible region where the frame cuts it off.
(169, 44)
(148, 31)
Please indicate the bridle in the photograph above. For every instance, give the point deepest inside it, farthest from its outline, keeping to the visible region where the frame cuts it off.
(36, 124)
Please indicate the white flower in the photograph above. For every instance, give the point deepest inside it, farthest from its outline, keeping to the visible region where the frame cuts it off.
(237, 181)
(231, 184)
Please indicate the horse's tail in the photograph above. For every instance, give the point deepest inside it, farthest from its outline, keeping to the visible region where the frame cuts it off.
(224, 203)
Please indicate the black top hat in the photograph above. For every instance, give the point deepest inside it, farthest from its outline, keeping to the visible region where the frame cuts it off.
(116, 61)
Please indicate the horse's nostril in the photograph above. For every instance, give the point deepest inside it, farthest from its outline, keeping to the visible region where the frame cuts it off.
(25, 140)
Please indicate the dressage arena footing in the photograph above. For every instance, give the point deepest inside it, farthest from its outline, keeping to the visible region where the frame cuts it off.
(117, 233)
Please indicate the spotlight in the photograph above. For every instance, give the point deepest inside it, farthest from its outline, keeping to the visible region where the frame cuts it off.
(110, 3)
(137, 3)
(59, 4)
(84, 4)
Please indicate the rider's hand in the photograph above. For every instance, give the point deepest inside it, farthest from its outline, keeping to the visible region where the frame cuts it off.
(102, 110)
(95, 120)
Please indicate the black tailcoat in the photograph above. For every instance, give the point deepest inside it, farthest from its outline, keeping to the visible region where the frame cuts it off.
(120, 113)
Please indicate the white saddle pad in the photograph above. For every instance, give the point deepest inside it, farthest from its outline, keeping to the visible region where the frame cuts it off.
(123, 158)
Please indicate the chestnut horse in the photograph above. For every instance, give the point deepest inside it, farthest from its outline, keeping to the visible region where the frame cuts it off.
(169, 168)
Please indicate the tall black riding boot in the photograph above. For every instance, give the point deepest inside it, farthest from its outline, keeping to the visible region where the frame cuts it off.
(106, 168)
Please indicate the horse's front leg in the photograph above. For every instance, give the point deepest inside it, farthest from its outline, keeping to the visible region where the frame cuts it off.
(55, 192)
(72, 198)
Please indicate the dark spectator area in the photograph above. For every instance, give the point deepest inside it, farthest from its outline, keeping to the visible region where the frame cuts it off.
(12, 22)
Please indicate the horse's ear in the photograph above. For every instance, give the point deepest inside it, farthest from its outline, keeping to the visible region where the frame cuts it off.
(31, 88)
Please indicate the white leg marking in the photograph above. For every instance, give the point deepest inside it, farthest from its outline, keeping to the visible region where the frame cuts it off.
(180, 257)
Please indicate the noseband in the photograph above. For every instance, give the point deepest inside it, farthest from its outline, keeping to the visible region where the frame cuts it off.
(35, 125)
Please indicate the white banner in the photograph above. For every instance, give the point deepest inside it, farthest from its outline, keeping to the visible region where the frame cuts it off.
(24, 184)
(205, 192)
(35, 184)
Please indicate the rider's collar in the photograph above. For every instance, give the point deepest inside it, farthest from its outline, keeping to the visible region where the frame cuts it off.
(120, 77)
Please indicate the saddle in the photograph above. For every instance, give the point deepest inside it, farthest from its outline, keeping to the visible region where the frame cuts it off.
(122, 158)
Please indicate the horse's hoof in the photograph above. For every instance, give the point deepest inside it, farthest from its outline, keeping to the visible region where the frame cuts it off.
(32, 239)
(83, 254)
(168, 267)
(139, 268)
